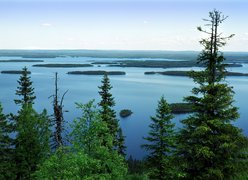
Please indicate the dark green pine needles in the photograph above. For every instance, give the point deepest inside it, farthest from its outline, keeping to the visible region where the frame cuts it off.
(25, 89)
(108, 115)
(210, 146)
(161, 142)
(6, 147)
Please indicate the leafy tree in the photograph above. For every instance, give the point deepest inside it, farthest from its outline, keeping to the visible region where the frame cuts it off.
(108, 115)
(87, 158)
(161, 142)
(92, 135)
(89, 132)
(32, 141)
(210, 146)
(65, 164)
(25, 89)
(6, 149)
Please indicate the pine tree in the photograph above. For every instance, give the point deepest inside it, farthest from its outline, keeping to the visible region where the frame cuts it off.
(161, 142)
(108, 115)
(25, 89)
(32, 141)
(6, 149)
(210, 146)
(121, 148)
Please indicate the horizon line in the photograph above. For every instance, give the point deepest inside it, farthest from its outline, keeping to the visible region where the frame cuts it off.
(27, 49)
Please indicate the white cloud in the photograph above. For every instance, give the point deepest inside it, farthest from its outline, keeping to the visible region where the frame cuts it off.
(145, 22)
(246, 33)
(46, 24)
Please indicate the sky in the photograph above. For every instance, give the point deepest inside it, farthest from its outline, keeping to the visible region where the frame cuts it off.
(117, 24)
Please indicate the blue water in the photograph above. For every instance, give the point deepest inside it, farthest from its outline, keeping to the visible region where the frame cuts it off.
(134, 91)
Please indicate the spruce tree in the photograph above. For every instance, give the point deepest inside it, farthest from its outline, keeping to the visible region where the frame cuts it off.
(32, 131)
(25, 89)
(121, 148)
(161, 141)
(108, 115)
(6, 147)
(32, 141)
(210, 146)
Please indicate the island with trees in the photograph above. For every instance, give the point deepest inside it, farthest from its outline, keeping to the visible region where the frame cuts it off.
(99, 72)
(125, 113)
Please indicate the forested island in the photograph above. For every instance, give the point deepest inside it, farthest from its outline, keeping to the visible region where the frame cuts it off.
(161, 64)
(14, 72)
(125, 113)
(20, 60)
(62, 65)
(96, 72)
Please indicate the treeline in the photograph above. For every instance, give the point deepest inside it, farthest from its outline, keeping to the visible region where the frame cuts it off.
(208, 146)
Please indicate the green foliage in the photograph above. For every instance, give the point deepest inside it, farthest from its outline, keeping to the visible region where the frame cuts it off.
(210, 146)
(161, 142)
(25, 89)
(89, 131)
(87, 158)
(135, 166)
(108, 115)
(67, 165)
(181, 108)
(91, 135)
(6, 150)
(121, 148)
(136, 177)
(32, 141)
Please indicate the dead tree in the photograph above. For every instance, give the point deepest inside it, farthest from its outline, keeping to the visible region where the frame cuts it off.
(58, 116)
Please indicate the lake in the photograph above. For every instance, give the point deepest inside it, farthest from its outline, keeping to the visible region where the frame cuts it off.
(134, 91)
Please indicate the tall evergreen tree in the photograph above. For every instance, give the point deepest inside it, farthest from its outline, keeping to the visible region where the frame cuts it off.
(6, 147)
(210, 146)
(32, 141)
(32, 131)
(25, 89)
(108, 115)
(161, 141)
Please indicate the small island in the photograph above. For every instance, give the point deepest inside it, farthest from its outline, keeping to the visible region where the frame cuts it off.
(20, 60)
(181, 108)
(62, 65)
(105, 62)
(13, 72)
(125, 113)
(96, 72)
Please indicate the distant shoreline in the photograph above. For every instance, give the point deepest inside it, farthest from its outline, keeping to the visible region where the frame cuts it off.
(188, 55)
(185, 73)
